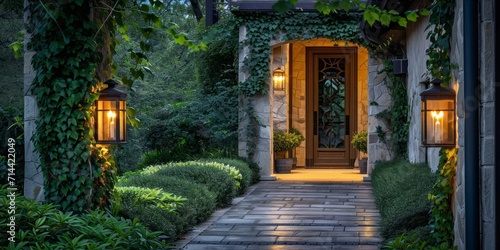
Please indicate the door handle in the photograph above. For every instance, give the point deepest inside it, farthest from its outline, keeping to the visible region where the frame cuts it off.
(315, 122)
(347, 126)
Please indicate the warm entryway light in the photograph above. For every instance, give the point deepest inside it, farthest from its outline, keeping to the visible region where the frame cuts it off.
(438, 116)
(279, 79)
(110, 115)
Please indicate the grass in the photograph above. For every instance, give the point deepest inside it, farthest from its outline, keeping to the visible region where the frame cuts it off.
(401, 190)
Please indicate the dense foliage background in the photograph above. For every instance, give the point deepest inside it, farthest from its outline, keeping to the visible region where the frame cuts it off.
(188, 105)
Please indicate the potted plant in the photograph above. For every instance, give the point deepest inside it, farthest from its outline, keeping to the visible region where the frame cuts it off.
(360, 142)
(282, 143)
(294, 150)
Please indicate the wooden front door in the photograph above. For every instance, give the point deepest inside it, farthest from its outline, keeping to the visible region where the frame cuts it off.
(331, 106)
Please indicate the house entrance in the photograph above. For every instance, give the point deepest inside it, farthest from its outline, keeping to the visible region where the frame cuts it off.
(331, 106)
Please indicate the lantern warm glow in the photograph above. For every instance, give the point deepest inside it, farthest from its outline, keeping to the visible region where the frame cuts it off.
(110, 116)
(279, 79)
(438, 116)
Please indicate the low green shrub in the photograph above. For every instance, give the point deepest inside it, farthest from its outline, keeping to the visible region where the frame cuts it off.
(149, 197)
(199, 204)
(221, 179)
(241, 166)
(43, 226)
(401, 190)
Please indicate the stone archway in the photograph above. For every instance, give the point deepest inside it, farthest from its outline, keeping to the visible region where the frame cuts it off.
(287, 109)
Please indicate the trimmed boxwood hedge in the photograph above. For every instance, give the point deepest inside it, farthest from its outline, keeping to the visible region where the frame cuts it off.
(209, 174)
(205, 184)
(241, 166)
(199, 204)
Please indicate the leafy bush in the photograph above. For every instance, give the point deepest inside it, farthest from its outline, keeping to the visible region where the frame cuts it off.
(199, 204)
(242, 167)
(401, 190)
(11, 126)
(219, 178)
(360, 141)
(43, 226)
(149, 197)
(189, 129)
(286, 141)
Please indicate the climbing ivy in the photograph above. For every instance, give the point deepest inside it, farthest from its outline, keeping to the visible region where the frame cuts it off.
(440, 26)
(263, 27)
(74, 43)
(441, 197)
(371, 12)
(77, 175)
(396, 116)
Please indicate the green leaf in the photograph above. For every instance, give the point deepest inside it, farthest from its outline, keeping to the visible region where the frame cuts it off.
(385, 19)
(322, 7)
(412, 16)
(282, 6)
(368, 18)
(424, 12)
(402, 22)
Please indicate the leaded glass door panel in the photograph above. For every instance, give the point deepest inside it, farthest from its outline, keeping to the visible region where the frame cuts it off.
(331, 102)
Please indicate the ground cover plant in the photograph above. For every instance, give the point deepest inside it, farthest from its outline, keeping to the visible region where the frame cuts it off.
(44, 226)
(401, 189)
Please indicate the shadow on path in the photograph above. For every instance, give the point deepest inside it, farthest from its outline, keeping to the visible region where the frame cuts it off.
(293, 215)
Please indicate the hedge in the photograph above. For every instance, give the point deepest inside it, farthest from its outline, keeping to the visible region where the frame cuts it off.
(199, 204)
(241, 166)
(401, 190)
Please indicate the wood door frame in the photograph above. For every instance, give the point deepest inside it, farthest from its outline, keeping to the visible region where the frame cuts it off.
(351, 51)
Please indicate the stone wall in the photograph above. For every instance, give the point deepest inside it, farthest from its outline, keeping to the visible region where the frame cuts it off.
(379, 100)
(33, 176)
(487, 116)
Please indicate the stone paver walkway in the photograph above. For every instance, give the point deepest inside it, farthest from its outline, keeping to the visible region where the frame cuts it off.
(293, 215)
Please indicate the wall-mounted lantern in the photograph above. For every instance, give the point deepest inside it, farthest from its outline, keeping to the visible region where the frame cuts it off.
(279, 79)
(438, 116)
(110, 116)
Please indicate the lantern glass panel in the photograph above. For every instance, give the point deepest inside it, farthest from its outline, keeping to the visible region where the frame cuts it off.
(279, 79)
(107, 114)
(438, 122)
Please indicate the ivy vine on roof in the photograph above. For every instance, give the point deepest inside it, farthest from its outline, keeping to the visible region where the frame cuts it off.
(263, 27)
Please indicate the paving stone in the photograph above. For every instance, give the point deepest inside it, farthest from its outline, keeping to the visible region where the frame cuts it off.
(294, 215)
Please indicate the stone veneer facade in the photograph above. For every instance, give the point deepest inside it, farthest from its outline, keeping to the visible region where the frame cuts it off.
(416, 46)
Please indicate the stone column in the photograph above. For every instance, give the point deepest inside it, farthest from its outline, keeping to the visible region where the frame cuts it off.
(33, 177)
(260, 134)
